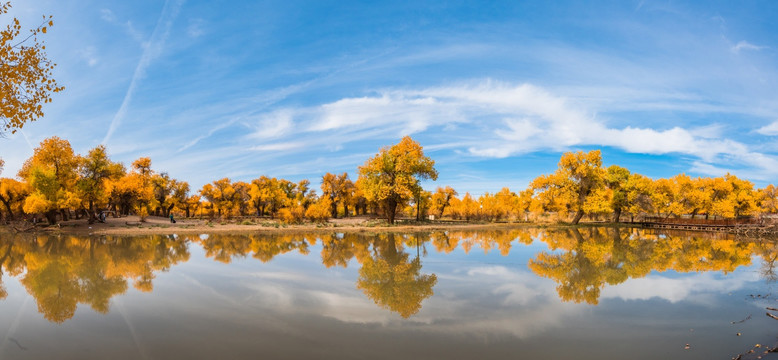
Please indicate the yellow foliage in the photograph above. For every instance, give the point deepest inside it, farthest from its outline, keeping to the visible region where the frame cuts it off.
(319, 211)
(37, 204)
(390, 177)
(26, 75)
(292, 215)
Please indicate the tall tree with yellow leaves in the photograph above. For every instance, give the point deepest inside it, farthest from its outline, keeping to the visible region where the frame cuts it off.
(441, 199)
(390, 177)
(51, 172)
(576, 179)
(94, 171)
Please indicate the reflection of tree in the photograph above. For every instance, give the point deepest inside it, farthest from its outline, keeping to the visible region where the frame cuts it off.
(392, 281)
(9, 261)
(264, 247)
(587, 262)
(583, 271)
(62, 272)
(339, 249)
(768, 250)
(486, 239)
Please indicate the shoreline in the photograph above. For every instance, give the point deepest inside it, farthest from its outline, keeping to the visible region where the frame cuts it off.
(131, 225)
(162, 226)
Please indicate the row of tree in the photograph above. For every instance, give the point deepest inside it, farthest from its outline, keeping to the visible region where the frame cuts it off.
(581, 186)
(58, 184)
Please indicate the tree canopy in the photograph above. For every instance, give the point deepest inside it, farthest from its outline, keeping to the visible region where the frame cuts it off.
(26, 81)
(391, 177)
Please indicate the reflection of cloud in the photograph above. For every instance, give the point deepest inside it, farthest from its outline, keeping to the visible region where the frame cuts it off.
(687, 288)
(478, 300)
(511, 302)
(350, 308)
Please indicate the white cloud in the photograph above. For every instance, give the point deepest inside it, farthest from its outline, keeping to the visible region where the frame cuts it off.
(89, 55)
(195, 28)
(274, 124)
(107, 15)
(494, 119)
(745, 45)
(278, 146)
(413, 113)
(769, 129)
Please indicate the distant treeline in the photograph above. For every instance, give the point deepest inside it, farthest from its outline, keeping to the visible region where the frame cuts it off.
(58, 184)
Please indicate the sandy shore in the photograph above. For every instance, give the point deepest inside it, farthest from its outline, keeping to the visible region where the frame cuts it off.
(131, 225)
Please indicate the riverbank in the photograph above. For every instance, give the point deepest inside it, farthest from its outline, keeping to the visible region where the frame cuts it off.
(132, 225)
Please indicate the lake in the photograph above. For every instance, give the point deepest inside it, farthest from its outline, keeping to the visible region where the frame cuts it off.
(587, 293)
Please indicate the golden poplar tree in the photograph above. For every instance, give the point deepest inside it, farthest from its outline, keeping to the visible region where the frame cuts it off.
(26, 81)
(390, 177)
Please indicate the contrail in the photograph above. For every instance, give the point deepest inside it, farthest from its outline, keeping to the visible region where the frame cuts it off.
(14, 325)
(133, 333)
(152, 50)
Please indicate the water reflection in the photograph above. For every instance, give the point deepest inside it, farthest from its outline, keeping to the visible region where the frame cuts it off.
(586, 260)
(393, 281)
(64, 271)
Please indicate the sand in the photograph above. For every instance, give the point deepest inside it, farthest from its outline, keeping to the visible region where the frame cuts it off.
(132, 225)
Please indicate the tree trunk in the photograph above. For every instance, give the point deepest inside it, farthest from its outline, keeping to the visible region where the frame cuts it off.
(616, 215)
(578, 215)
(92, 217)
(334, 209)
(8, 208)
(391, 207)
(51, 217)
(345, 209)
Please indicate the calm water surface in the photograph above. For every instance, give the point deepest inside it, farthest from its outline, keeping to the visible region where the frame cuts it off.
(599, 293)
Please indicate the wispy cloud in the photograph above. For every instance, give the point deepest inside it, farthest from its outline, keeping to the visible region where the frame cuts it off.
(107, 15)
(155, 48)
(274, 124)
(497, 120)
(89, 54)
(278, 146)
(196, 28)
(210, 133)
(745, 45)
(769, 129)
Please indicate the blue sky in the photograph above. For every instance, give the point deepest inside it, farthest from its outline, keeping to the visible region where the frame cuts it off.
(494, 91)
